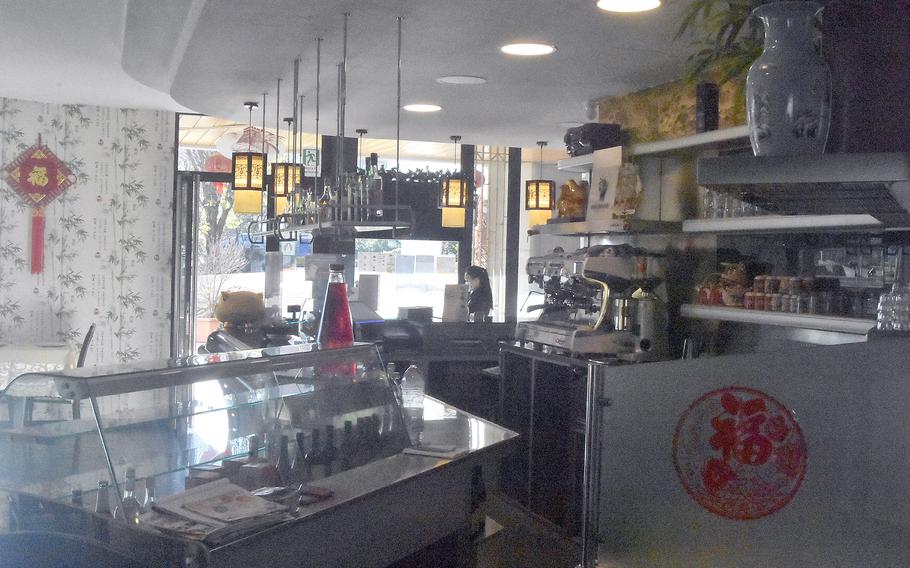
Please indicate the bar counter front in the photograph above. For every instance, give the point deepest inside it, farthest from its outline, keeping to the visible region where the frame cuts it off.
(287, 456)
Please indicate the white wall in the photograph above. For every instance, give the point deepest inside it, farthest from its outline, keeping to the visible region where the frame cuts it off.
(108, 238)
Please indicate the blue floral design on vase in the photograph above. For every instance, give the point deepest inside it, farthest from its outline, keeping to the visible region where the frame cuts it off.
(788, 88)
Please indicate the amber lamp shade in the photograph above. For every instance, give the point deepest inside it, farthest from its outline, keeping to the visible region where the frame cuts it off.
(453, 217)
(284, 178)
(453, 193)
(248, 173)
(540, 195)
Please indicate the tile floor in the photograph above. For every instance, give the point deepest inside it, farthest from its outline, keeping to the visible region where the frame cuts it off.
(524, 542)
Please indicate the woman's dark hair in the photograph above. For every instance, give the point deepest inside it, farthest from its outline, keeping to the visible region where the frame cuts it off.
(482, 297)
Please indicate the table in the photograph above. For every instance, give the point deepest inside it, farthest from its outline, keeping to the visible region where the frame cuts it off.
(17, 359)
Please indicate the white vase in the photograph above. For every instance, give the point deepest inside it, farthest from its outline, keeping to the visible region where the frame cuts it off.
(788, 88)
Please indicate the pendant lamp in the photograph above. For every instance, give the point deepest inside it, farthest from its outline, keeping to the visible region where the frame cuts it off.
(285, 176)
(540, 195)
(248, 173)
(453, 195)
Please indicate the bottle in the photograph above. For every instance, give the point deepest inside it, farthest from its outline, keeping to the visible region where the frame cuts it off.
(148, 500)
(329, 453)
(130, 507)
(376, 433)
(253, 454)
(103, 499)
(284, 462)
(335, 327)
(299, 470)
(375, 190)
(102, 508)
(413, 386)
(325, 203)
(347, 446)
(314, 456)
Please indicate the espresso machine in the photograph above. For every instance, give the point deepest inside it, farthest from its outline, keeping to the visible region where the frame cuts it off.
(598, 301)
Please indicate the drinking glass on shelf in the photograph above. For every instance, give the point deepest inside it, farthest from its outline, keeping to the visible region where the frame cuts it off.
(894, 305)
(708, 203)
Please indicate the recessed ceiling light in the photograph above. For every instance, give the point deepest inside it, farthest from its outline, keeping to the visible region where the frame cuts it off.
(628, 5)
(461, 80)
(528, 49)
(571, 124)
(422, 107)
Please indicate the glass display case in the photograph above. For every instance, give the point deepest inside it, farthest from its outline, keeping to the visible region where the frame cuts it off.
(207, 450)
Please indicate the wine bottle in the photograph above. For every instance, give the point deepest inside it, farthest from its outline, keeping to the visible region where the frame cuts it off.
(300, 473)
(347, 446)
(375, 191)
(149, 500)
(284, 462)
(359, 452)
(314, 456)
(329, 453)
(129, 507)
(253, 454)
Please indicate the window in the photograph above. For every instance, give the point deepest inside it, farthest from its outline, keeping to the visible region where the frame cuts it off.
(410, 272)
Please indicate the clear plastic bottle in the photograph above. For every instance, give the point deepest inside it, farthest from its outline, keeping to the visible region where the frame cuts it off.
(103, 499)
(131, 508)
(413, 387)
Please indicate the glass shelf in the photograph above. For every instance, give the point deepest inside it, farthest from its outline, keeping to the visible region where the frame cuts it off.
(802, 321)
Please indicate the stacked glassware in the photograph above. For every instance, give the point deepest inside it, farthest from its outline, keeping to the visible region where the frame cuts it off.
(894, 306)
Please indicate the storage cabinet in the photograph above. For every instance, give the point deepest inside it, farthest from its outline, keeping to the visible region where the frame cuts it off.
(543, 399)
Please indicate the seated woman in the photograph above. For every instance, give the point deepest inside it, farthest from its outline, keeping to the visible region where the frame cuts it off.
(480, 303)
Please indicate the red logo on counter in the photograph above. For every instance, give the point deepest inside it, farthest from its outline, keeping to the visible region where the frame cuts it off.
(739, 453)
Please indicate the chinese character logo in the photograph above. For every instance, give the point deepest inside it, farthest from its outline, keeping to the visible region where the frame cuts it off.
(740, 453)
(38, 176)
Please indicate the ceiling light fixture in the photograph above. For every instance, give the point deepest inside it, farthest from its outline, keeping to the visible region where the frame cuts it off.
(248, 173)
(628, 5)
(528, 49)
(461, 80)
(422, 107)
(540, 195)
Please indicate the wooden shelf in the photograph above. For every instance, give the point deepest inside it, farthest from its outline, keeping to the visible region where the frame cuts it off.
(801, 321)
(783, 224)
(716, 139)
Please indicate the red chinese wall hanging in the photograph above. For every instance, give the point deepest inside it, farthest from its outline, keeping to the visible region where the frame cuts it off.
(39, 177)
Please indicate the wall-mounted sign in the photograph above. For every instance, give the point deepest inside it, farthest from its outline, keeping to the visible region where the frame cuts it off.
(310, 162)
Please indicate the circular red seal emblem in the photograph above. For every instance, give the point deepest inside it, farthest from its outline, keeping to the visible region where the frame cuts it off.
(740, 453)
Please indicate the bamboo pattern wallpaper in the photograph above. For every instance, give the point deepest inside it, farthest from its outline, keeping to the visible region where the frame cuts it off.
(108, 237)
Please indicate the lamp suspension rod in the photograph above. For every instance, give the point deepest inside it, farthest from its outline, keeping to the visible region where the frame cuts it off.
(318, 73)
(540, 143)
(262, 147)
(296, 113)
(278, 122)
(249, 136)
(342, 95)
(398, 132)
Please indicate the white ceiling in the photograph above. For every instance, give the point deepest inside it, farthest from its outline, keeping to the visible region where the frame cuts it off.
(209, 56)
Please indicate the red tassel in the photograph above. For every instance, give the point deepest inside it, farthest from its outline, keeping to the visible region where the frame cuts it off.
(37, 240)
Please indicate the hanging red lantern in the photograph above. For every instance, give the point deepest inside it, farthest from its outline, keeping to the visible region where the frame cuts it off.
(219, 163)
